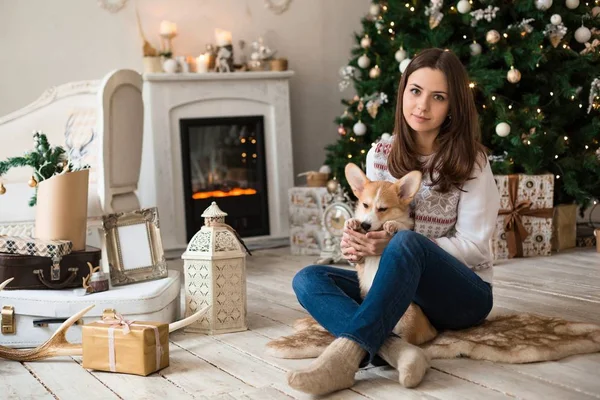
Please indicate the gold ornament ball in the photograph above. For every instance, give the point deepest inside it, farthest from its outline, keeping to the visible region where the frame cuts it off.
(32, 182)
(2, 189)
(513, 76)
(375, 72)
(332, 186)
(492, 37)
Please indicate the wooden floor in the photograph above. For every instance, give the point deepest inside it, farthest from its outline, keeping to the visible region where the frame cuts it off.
(233, 366)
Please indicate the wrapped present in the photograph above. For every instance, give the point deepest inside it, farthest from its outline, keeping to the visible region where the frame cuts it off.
(35, 247)
(132, 347)
(524, 224)
(564, 227)
(306, 206)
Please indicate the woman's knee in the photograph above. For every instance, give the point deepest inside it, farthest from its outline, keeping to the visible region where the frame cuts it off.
(305, 278)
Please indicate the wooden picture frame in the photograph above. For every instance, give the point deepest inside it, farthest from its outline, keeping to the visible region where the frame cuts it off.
(134, 246)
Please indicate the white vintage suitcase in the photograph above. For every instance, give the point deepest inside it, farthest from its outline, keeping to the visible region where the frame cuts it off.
(38, 313)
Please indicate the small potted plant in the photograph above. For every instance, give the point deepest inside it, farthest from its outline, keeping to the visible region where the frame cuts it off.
(61, 191)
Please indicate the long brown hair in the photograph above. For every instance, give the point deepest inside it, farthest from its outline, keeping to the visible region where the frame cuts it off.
(459, 137)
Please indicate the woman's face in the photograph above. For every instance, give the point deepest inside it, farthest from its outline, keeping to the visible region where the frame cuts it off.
(425, 102)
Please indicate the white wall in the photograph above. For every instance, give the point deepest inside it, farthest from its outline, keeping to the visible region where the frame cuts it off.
(50, 42)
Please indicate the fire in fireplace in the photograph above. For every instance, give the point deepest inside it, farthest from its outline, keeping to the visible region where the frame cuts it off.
(224, 161)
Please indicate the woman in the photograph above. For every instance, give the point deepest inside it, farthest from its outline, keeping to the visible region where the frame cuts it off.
(444, 265)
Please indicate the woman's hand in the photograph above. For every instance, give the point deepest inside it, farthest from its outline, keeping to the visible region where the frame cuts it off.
(356, 245)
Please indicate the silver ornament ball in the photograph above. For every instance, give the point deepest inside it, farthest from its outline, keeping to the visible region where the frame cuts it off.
(475, 49)
(543, 5)
(582, 34)
(572, 4)
(404, 65)
(556, 19)
(463, 6)
(400, 55)
(502, 129)
(364, 61)
(359, 128)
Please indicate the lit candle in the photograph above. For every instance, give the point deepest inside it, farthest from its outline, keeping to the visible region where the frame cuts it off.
(222, 37)
(202, 63)
(168, 28)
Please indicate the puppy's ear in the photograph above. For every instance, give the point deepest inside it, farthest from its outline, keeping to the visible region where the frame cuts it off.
(356, 178)
(408, 186)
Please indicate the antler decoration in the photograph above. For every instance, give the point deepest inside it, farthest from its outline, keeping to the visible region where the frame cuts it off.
(58, 345)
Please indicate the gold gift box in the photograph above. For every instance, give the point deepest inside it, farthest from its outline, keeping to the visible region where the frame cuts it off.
(134, 352)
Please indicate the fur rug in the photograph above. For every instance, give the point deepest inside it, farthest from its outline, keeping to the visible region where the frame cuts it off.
(511, 338)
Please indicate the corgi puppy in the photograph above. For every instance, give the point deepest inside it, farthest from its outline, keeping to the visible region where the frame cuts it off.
(385, 206)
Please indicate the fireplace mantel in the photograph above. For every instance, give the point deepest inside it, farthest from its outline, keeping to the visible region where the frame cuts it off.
(171, 97)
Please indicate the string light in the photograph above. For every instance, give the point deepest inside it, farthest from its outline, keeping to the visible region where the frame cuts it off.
(505, 35)
(587, 147)
(384, 8)
(362, 151)
(557, 176)
(464, 36)
(392, 23)
(407, 5)
(581, 105)
(556, 156)
(254, 155)
(391, 31)
(541, 47)
(510, 106)
(412, 9)
(253, 141)
(528, 142)
(551, 93)
(572, 97)
(349, 155)
(494, 98)
(566, 138)
(243, 140)
(539, 111)
(243, 154)
(564, 46)
(472, 85)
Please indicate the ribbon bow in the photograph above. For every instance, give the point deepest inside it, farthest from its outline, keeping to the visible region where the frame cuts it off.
(589, 47)
(118, 320)
(513, 222)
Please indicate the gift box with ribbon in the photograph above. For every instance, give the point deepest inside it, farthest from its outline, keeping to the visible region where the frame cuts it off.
(524, 225)
(117, 345)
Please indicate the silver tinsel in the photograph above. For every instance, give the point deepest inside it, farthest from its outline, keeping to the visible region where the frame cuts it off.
(489, 13)
(347, 73)
(560, 30)
(500, 158)
(433, 10)
(594, 91)
(523, 25)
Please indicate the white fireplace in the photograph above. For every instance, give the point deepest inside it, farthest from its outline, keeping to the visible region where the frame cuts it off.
(171, 98)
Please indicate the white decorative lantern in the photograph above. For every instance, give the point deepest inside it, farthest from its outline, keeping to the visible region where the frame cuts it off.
(215, 274)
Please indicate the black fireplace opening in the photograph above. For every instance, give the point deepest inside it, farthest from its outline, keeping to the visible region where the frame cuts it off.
(224, 161)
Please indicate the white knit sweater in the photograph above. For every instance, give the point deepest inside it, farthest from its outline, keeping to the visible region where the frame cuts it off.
(462, 223)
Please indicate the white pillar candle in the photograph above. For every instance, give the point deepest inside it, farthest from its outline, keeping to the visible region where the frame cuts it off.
(202, 63)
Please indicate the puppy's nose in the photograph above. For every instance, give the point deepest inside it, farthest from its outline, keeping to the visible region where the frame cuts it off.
(366, 226)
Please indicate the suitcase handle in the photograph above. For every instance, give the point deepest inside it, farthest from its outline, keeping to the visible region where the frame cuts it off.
(56, 286)
(42, 323)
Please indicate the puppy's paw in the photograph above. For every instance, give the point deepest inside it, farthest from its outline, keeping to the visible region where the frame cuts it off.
(392, 227)
(353, 224)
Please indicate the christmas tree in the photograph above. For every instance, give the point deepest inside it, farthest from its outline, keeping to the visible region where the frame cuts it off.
(535, 73)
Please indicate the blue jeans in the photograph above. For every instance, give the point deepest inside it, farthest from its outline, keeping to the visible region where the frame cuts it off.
(412, 269)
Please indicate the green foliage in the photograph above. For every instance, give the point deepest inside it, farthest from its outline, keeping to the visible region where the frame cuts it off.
(554, 80)
(46, 161)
